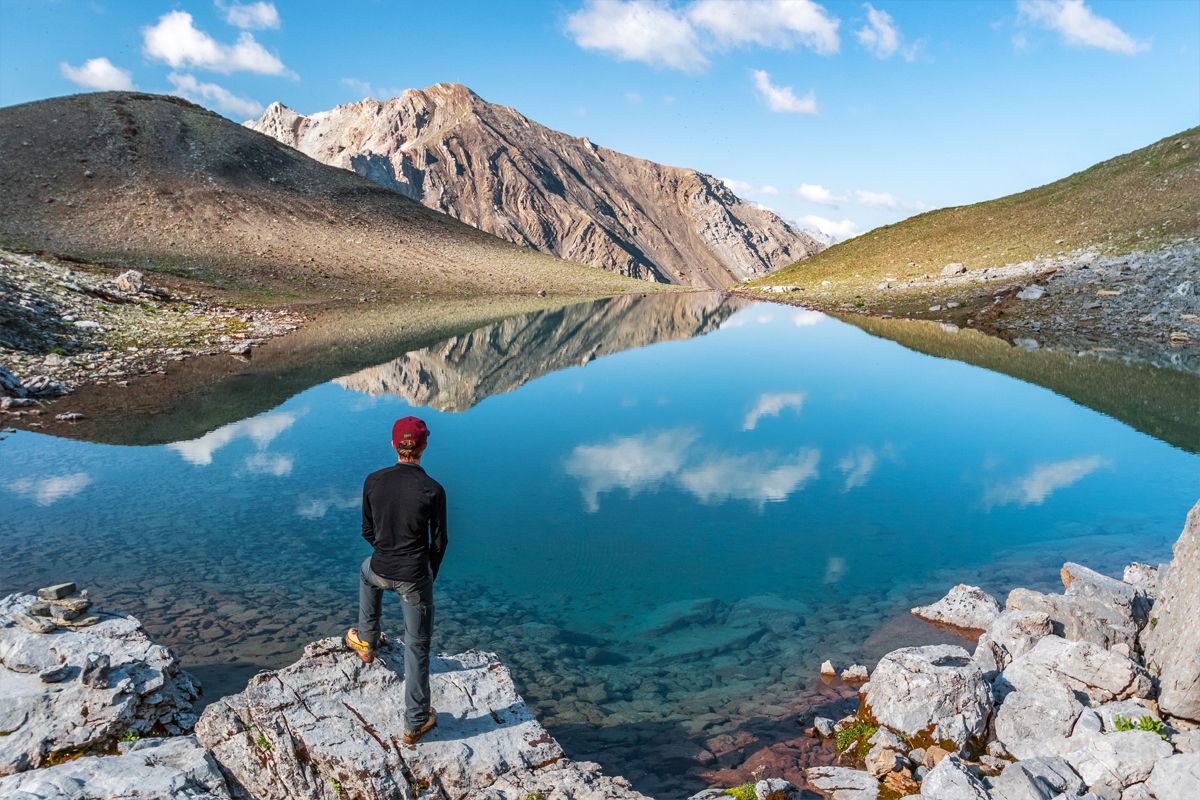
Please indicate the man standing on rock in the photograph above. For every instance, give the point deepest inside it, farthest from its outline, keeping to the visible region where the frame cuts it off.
(404, 519)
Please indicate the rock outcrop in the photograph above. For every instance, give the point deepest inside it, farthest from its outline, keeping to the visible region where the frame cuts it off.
(936, 689)
(76, 690)
(1173, 638)
(176, 768)
(495, 169)
(329, 726)
(963, 606)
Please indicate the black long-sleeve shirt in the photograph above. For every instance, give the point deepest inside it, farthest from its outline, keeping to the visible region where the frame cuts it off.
(404, 519)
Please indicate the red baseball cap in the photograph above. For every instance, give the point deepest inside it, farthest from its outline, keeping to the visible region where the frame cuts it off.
(409, 432)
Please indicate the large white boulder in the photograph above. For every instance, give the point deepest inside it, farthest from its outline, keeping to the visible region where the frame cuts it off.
(166, 769)
(1102, 675)
(1176, 777)
(1034, 723)
(951, 780)
(1172, 640)
(936, 688)
(842, 783)
(1079, 618)
(1036, 779)
(77, 689)
(1117, 760)
(1011, 634)
(963, 607)
(330, 720)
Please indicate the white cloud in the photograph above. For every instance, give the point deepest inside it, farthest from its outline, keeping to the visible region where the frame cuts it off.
(638, 30)
(866, 197)
(758, 477)
(177, 42)
(633, 97)
(880, 36)
(781, 98)
(631, 463)
(747, 188)
(836, 230)
(252, 16)
(366, 89)
(816, 193)
(45, 491)
(1078, 25)
(211, 93)
(318, 506)
(771, 404)
(1043, 480)
(746, 317)
(768, 23)
(806, 318)
(262, 430)
(767, 188)
(98, 73)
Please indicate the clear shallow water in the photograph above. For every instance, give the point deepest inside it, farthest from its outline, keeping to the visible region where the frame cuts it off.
(662, 542)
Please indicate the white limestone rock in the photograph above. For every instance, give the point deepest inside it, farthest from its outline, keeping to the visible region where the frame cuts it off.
(1036, 779)
(963, 607)
(1011, 634)
(1079, 618)
(167, 769)
(80, 688)
(915, 688)
(1176, 777)
(1133, 710)
(1131, 604)
(1143, 577)
(330, 717)
(562, 780)
(842, 783)
(1172, 641)
(1081, 666)
(1117, 760)
(951, 780)
(1032, 724)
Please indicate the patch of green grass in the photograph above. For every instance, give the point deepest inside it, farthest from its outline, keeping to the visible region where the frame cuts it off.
(131, 736)
(743, 792)
(1146, 723)
(859, 732)
(337, 786)
(262, 742)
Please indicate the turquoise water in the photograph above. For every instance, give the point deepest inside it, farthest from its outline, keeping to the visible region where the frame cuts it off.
(662, 542)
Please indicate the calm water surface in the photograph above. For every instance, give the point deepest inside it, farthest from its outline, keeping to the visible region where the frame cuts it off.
(663, 541)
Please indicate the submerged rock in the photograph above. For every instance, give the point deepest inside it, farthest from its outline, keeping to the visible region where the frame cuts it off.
(168, 769)
(936, 688)
(77, 689)
(329, 719)
(1172, 641)
(963, 607)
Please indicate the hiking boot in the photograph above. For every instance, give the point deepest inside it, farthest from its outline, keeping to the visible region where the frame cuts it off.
(412, 737)
(365, 652)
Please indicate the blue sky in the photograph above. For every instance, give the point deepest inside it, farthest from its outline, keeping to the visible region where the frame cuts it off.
(838, 115)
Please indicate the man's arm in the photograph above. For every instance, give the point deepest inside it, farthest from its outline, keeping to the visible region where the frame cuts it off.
(437, 535)
(368, 526)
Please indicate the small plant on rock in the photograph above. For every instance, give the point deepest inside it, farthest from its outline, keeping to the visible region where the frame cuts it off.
(337, 786)
(856, 734)
(131, 736)
(1146, 723)
(262, 742)
(743, 792)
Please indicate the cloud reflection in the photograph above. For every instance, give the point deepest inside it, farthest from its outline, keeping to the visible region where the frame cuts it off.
(45, 491)
(316, 507)
(806, 318)
(649, 460)
(262, 430)
(1043, 480)
(770, 404)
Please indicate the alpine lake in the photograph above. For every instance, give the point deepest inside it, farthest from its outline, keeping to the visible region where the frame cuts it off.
(665, 511)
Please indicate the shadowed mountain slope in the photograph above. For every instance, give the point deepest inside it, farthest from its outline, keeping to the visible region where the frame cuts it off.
(496, 169)
(153, 182)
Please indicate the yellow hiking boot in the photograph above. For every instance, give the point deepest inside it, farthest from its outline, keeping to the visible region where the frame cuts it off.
(365, 652)
(412, 737)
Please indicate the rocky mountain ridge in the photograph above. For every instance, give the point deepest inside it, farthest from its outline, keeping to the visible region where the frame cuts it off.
(494, 168)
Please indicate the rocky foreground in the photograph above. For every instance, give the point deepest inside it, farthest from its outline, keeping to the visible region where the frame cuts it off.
(1093, 693)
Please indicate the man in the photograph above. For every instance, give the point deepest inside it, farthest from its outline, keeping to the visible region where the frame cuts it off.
(404, 519)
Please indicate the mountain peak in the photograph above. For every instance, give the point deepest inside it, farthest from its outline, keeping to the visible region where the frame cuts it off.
(491, 167)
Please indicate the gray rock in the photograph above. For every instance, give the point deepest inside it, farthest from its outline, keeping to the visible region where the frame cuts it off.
(1186, 741)
(10, 384)
(1117, 760)
(166, 769)
(1137, 792)
(1032, 724)
(1012, 634)
(329, 714)
(963, 607)
(953, 269)
(1081, 666)
(1176, 777)
(775, 789)
(1079, 618)
(1036, 779)
(823, 726)
(855, 673)
(827, 668)
(132, 685)
(1032, 292)
(938, 687)
(1172, 640)
(1132, 710)
(568, 780)
(56, 592)
(951, 780)
(1142, 576)
(130, 281)
(841, 783)
(1131, 604)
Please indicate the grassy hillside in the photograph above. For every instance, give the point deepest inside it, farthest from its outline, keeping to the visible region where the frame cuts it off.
(131, 180)
(1135, 201)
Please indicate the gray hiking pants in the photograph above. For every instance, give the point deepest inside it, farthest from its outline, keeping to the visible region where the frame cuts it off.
(416, 602)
